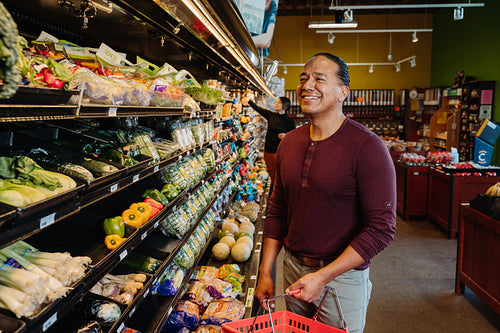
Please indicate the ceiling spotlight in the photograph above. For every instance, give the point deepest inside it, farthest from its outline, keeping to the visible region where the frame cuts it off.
(285, 70)
(414, 37)
(371, 70)
(398, 67)
(413, 62)
(331, 37)
(348, 16)
(458, 13)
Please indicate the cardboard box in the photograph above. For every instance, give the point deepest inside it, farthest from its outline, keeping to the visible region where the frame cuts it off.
(489, 132)
(483, 152)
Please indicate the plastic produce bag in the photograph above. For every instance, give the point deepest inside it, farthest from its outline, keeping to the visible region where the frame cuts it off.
(185, 314)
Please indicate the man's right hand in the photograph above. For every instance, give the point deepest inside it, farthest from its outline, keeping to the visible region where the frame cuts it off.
(265, 289)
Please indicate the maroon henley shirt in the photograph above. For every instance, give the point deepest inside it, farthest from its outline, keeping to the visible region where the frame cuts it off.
(333, 193)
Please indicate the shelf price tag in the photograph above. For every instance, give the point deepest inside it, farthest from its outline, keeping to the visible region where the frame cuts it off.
(120, 328)
(135, 178)
(131, 313)
(47, 220)
(113, 188)
(49, 322)
(249, 300)
(144, 235)
(156, 168)
(123, 255)
(156, 224)
(112, 112)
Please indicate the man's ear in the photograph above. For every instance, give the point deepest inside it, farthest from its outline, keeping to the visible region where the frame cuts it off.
(344, 91)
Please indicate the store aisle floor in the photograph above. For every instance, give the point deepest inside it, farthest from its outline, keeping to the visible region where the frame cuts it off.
(414, 287)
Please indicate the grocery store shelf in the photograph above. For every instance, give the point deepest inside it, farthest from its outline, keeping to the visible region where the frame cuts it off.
(106, 111)
(15, 112)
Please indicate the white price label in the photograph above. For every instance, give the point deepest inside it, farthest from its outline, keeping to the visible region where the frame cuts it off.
(249, 300)
(157, 224)
(113, 188)
(123, 255)
(112, 112)
(131, 313)
(253, 277)
(144, 235)
(47, 220)
(260, 232)
(49, 322)
(156, 168)
(264, 216)
(180, 157)
(135, 178)
(120, 328)
(146, 293)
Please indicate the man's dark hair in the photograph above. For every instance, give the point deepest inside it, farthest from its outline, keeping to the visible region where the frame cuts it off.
(343, 72)
(285, 102)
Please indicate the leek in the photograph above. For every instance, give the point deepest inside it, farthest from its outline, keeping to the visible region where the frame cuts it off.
(17, 301)
(52, 283)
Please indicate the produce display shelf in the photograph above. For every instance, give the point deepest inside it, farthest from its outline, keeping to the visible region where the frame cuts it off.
(154, 312)
(17, 228)
(106, 111)
(6, 213)
(11, 325)
(103, 261)
(26, 95)
(14, 113)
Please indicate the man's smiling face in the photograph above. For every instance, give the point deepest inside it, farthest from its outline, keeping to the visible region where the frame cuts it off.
(320, 89)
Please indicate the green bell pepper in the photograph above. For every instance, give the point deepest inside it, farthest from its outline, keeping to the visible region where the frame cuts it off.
(169, 191)
(114, 226)
(156, 195)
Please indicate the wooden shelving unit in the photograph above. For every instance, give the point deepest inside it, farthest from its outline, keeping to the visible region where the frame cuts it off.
(445, 127)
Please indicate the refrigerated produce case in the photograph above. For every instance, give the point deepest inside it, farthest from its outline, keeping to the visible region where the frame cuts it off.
(72, 222)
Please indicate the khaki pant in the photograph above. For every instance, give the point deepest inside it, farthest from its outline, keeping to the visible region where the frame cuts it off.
(353, 289)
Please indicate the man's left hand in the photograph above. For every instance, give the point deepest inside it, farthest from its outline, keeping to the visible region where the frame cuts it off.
(310, 285)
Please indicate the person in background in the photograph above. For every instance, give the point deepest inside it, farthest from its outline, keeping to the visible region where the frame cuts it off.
(263, 40)
(333, 205)
(278, 124)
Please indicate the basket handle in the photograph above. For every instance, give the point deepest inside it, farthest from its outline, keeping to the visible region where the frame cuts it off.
(267, 300)
(343, 323)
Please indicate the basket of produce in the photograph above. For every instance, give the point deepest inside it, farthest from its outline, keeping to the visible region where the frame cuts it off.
(285, 321)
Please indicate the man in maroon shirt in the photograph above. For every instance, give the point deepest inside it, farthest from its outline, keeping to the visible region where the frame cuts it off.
(333, 205)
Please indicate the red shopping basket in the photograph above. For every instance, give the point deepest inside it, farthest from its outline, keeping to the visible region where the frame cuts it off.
(285, 321)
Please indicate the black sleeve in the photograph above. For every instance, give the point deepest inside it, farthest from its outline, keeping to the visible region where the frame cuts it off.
(292, 125)
(263, 112)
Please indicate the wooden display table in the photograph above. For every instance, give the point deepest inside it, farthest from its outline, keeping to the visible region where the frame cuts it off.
(447, 192)
(411, 189)
(479, 256)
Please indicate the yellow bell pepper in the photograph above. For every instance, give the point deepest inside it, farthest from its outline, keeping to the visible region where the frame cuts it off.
(144, 209)
(113, 241)
(133, 217)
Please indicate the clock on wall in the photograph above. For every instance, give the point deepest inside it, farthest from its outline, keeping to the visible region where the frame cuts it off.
(413, 93)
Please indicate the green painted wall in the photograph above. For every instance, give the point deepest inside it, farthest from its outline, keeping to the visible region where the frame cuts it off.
(472, 45)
